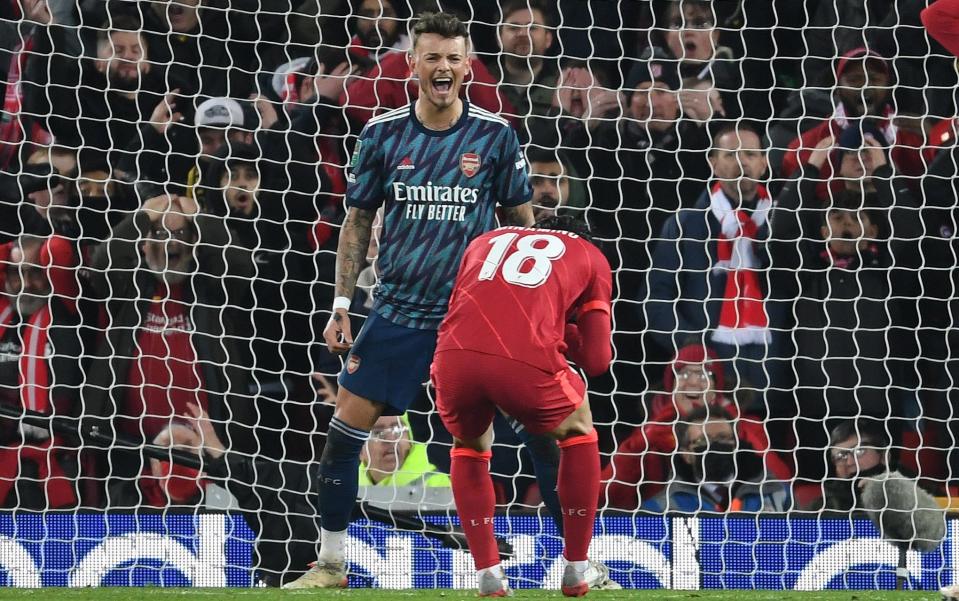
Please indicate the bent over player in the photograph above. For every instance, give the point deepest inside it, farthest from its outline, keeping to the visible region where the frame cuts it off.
(439, 167)
(557, 288)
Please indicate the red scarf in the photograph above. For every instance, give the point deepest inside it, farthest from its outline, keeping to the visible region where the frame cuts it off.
(35, 396)
(34, 368)
(742, 318)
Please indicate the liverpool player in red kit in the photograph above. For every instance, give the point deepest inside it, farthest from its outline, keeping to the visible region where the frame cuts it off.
(525, 300)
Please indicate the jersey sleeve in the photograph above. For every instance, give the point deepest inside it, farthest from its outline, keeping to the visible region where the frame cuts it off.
(599, 293)
(364, 176)
(512, 180)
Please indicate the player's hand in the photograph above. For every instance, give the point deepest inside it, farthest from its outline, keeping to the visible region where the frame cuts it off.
(338, 335)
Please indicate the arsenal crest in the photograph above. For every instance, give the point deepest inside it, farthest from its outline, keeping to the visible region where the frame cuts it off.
(470, 164)
(352, 364)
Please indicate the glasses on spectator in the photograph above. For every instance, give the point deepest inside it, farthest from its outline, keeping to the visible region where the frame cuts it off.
(694, 23)
(184, 234)
(841, 455)
(391, 433)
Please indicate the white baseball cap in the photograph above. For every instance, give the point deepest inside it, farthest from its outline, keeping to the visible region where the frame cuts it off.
(219, 112)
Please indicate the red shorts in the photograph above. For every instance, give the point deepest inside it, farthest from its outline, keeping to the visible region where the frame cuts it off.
(471, 385)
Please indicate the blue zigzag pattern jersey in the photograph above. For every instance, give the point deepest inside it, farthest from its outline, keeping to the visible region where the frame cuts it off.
(439, 190)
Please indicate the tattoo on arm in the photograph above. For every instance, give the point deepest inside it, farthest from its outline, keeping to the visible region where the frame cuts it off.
(521, 215)
(352, 248)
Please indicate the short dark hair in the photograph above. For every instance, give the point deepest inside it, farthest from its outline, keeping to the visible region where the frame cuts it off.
(543, 155)
(565, 223)
(739, 127)
(511, 6)
(121, 22)
(699, 415)
(442, 24)
(869, 431)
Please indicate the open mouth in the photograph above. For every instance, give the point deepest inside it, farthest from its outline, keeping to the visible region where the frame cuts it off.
(173, 257)
(443, 85)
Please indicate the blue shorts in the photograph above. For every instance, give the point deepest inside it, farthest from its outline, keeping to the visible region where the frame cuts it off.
(389, 363)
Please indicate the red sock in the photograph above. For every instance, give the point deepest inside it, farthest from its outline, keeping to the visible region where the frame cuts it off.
(475, 503)
(578, 492)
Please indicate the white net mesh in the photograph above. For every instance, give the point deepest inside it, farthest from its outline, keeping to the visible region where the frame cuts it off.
(771, 181)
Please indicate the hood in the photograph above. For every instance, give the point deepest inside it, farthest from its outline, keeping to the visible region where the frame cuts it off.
(694, 353)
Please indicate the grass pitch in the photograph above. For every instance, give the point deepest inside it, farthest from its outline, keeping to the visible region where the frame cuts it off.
(163, 594)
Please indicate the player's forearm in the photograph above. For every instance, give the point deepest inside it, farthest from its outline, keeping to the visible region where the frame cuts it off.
(594, 352)
(352, 248)
(521, 215)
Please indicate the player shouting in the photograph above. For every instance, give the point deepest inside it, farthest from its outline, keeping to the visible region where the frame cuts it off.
(557, 287)
(440, 166)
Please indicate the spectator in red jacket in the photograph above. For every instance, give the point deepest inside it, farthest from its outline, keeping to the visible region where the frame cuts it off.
(641, 465)
(862, 95)
(40, 350)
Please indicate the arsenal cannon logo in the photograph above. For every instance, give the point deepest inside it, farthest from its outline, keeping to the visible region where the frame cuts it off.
(470, 164)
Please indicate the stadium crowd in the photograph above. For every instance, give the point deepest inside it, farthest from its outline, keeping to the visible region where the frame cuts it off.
(773, 183)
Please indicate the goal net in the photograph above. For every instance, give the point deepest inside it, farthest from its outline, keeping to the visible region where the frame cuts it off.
(773, 184)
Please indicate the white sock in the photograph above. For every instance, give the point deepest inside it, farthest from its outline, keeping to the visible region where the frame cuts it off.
(579, 566)
(332, 546)
(496, 570)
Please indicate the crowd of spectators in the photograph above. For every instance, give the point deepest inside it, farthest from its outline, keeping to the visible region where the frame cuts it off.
(773, 182)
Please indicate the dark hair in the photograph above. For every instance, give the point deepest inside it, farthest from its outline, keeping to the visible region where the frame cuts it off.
(565, 223)
(511, 6)
(699, 415)
(121, 22)
(739, 127)
(442, 24)
(854, 202)
(543, 155)
(868, 431)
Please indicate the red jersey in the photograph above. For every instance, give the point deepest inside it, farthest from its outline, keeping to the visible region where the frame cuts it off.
(518, 289)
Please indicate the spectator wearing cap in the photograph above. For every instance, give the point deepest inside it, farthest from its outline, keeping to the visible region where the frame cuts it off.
(40, 370)
(527, 76)
(95, 101)
(851, 265)
(652, 161)
(641, 169)
(275, 322)
(862, 100)
(170, 279)
(175, 148)
(641, 465)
